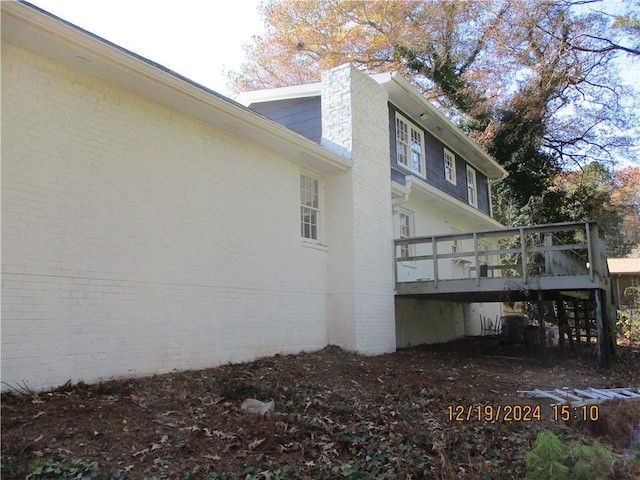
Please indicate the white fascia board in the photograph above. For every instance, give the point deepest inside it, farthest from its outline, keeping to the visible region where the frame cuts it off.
(424, 192)
(282, 93)
(46, 35)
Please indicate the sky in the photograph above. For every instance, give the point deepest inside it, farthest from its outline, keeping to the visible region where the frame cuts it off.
(200, 39)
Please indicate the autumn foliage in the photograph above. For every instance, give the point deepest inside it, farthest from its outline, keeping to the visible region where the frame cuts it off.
(536, 83)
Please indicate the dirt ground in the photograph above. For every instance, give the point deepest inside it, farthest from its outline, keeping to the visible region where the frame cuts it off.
(337, 415)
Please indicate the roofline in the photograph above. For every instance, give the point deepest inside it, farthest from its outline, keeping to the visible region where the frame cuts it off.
(410, 90)
(151, 80)
(304, 90)
(624, 266)
(314, 89)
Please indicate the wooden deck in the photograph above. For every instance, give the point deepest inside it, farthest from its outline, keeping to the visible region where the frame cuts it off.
(503, 265)
(536, 263)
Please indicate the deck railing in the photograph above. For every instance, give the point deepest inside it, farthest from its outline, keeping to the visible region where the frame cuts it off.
(573, 248)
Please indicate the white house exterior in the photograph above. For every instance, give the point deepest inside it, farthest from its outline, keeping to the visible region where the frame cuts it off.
(150, 224)
(439, 180)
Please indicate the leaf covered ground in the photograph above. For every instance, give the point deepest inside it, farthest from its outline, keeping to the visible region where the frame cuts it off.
(337, 415)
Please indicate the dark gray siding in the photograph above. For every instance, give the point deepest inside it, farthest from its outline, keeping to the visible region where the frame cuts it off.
(302, 115)
(434, 161)
(398, 176)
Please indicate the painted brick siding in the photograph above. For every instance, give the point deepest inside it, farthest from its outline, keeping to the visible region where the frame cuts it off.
(354, 120)
(136, 240)
(434, 160)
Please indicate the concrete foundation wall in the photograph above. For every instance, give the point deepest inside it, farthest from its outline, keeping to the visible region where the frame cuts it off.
(421, 321)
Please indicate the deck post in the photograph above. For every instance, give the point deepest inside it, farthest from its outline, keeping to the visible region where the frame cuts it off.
(587, 229)
(477, 259)
(523, 254)
(435, 260)
(602, 348)
(542, 332)
(395, 266)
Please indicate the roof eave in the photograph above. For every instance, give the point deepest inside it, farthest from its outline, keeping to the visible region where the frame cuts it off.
(444, 130)
(305, 90)
(42, 33)
(426, 193)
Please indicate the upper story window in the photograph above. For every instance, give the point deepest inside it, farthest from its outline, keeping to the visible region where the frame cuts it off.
(472, 187)
(449, 166)
(309, 207)
(409, 145)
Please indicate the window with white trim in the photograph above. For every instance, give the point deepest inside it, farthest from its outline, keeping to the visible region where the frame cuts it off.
(449, 166)
(309, 207)
(406, 229)
(409, 145)
(472, 188)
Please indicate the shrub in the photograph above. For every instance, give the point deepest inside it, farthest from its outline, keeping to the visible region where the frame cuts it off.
(545, 461)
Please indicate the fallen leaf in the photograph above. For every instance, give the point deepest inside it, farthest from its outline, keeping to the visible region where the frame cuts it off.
(256, 443)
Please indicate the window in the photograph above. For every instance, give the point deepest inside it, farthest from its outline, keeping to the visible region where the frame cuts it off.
(309, 207)
(406, 230)
(449, 166)
(409, 145)
(472, 190)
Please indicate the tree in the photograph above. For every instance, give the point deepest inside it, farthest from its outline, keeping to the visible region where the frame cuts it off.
(590, 194)
(626, 199)
(533, 81)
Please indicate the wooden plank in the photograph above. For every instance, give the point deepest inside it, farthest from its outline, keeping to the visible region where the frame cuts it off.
(587, 393)
(543, 393)
(568, 394)
(606, 393)
(630, 394)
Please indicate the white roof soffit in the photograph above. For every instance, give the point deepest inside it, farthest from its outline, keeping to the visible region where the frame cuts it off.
(407, 98)
(28, 27)
(425, 193)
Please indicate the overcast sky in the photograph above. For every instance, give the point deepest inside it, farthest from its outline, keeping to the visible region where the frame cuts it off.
(196, 38)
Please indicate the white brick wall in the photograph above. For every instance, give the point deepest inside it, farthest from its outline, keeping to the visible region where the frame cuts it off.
(136, 240)
(355, 124)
